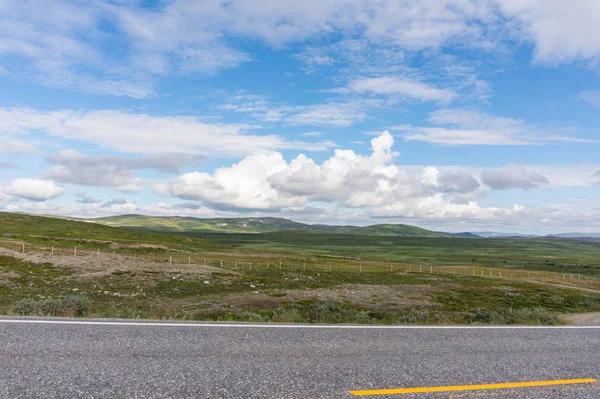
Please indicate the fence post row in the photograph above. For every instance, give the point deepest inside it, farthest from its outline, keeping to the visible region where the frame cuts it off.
(328, 267)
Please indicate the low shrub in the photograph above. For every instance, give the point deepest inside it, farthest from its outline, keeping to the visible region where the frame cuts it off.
(530, 316)
(66, 306)
(124, 313)
(247, 316)
(333, 312)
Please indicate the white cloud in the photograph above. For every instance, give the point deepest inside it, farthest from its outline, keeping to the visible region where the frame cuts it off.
(242, 185)
(329, 114)
(450, 180)
(466, 127)
(73, 167)
(313, 58)
(132, 87)
(372, 186)
(60, 45)
(399, 86)
(74, 41)
(560, 31)
(8, 146)
(592, 97)
(70, 166)
(211, 59)
(513, 177)
(350, 181)
(82, 198)
(8, 165)
(596, 178)
(33, 190)
(143, 133)
(332, 114)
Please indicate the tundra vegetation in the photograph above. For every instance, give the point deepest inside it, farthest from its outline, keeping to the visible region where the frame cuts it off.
(308, 276)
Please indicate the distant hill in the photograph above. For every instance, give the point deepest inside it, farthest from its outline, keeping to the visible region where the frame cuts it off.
(493, 234)
(181, 224)
(575, 235)
(402, 230)
(466, 234)
(256, 225)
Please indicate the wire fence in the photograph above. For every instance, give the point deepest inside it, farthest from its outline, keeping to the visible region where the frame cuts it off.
(270, 263)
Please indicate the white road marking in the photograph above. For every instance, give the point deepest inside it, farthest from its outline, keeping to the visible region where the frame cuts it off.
(311, 326)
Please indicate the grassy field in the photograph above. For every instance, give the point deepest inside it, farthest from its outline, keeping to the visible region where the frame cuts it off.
(290, 276)
(566, 256)
(68, 233)
(205, 293)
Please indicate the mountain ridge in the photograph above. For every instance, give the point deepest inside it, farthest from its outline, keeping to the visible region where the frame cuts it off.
(256, 225)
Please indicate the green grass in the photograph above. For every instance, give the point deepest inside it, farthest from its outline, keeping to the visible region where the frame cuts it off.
(568, 256)
(42, 289)
(62, 232)
(153, 290)
(497, 297)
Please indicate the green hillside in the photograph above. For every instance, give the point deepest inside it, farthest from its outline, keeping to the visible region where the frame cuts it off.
(398, 230)
(182, 224)
(59, 230)
(256, 225)
(566, 256)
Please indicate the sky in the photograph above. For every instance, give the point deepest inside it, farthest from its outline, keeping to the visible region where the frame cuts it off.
(453, 115)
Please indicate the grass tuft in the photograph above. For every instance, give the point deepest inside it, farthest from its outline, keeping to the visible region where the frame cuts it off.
(529, 316)
(67, 306)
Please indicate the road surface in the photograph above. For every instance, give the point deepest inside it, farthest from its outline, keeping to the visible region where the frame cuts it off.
(48, 358)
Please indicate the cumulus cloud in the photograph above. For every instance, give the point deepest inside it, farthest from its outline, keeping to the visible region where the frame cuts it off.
(266, 181)
(33, 189)
(513, 177)
(450, 181)
(242, 185)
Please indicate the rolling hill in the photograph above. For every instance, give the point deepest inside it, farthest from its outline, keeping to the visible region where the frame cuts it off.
(256, 225)
(54, 230)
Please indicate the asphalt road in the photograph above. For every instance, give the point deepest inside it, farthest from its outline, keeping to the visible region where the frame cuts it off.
(166, 360)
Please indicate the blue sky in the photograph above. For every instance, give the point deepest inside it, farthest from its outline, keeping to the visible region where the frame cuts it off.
(452, 115)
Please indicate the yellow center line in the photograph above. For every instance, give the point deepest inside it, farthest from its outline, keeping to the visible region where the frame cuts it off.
(400, 391)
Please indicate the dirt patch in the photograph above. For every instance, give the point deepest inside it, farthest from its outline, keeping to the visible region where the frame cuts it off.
(105, 264)
(375, 297)
(584, 318)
